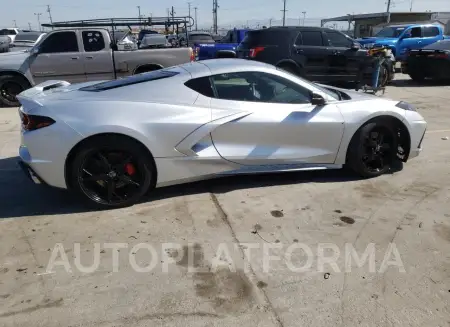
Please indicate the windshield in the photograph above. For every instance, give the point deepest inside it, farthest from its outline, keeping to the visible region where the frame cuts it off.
(27, 37)
(7, 32)
(201, 38)
(391, 31)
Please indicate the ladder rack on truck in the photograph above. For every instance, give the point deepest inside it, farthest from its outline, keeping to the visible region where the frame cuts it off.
(112, 23)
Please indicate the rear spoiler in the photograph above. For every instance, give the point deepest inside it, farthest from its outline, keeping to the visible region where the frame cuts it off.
(31, 95)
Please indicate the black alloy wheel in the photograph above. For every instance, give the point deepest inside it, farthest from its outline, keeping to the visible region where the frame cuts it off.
(112, 176)
(377, 150)
(10, 87)
(373, 149)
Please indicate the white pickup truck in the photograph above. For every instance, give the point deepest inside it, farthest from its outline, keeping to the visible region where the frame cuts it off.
(78, 55)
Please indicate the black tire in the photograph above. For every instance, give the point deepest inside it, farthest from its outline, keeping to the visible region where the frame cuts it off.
(10, 86)
(417, 77)
(360, 157)
(91, 157)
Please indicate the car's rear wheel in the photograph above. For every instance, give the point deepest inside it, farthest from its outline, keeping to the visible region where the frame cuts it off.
(373, 149)
(112, 172)
(10, 87)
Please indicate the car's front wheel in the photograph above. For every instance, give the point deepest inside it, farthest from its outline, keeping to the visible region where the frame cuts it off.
(373, 149)
(112, 172)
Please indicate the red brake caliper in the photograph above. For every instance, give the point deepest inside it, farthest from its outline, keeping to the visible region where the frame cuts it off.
(129, 168)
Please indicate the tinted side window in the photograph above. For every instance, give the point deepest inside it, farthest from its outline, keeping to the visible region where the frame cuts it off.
(60, 42)
(201, 85)
(414, 32)
(93, 41)
(430, 31)
(234, 37)
(337, 39)
(259, 87)
(312, 38)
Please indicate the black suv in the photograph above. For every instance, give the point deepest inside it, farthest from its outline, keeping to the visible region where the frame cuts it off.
(318, 54)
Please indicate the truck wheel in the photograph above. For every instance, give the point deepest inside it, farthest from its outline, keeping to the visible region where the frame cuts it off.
(10, 87)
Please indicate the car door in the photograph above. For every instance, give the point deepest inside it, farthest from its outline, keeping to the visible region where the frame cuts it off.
(411, 40)
(59, 58)
(431, 34)
(344, 60)
(275, 121)
(310, 52)
(97, 56)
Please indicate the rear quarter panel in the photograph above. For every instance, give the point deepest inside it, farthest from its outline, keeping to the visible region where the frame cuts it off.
(159, 115)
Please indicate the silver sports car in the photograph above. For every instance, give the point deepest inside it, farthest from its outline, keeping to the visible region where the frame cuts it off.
(113, 141)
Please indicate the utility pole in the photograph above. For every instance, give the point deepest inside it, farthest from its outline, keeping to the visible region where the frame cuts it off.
(388, 11)
(189, 8)
(284, 12)
(304, 17)
(38, 15)
(50, 15)
(172, 13)
(29, 26)
(270, 22)
(15, 23)
(196, 24)
(215, 6)
(410, 5)
(139, 15)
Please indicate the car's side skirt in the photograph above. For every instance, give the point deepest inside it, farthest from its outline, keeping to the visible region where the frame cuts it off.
(280, 168)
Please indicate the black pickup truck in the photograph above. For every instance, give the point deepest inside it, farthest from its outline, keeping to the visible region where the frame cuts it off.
(315, 53)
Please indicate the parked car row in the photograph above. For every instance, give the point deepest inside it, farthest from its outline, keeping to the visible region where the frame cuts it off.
(78, 55)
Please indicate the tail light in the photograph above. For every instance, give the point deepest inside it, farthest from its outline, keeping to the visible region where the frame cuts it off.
(192, 58)
(255, 51)
(441, 55)
(33, 122)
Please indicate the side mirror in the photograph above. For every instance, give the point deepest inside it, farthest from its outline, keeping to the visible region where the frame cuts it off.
(317, 99)
(355, 46)
(35, 51)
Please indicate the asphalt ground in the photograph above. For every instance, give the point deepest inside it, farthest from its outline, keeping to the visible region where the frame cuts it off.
(195, 238)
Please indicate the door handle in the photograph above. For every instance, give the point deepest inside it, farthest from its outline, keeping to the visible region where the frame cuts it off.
(89, 57)
(75, 58)
(299, 51)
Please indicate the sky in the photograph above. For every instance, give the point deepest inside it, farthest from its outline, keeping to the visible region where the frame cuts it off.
(231, 13)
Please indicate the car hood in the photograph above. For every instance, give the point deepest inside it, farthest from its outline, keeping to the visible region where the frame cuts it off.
(355, 95)
(377, 40)
(13, 60)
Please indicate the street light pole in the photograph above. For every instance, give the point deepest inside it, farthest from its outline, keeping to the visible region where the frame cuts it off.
(196, 24)
(189, 8)
(304, 16)
(38, 15)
